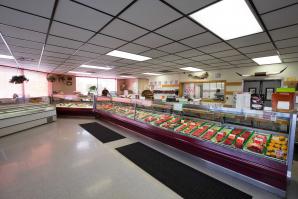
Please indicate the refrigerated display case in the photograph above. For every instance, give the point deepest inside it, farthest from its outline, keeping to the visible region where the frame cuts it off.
(18, 117)
(73, 105)
(253, 143)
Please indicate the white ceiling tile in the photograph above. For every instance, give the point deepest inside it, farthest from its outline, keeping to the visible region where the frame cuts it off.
(284, 33)
(24, 49)
(149, 14)
(59, 49)
(59, 55)
(249, 40)
(215, 48)
(50, 58)
(64, 42)
(152, 40)
(233, 58)
(290, 55)
(257, 48)
(133, 48)
(71, 32)
(202, 57)
(281, 18)
(173, 48)
(95, 49)
(201, 40)
(23, 43)
(262, 54)
(155, 61)
(107, 58)
(79, 58)
(244, 61)
(291, 60)
(40, 7)
(170, 58)
(225, 53)
(268, 5)
(110, 6)
(289, 50)
(106, 41)
(180, 29)
(190, 53)
(182, 61)
(127, 61)
(220, 64)
(88, 18)
(123, 30)
(211, 61)
(19, 19)
(287, 43)
(21, 33)
(188, 6)
(153, 53)
(87, 54)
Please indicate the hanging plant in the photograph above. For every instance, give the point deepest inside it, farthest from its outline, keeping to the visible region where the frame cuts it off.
(51, 78)
(18, 79)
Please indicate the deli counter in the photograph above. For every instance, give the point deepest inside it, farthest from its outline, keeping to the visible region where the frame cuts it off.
(256, 144)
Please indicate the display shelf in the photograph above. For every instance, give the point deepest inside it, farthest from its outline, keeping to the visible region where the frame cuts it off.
(236, 150)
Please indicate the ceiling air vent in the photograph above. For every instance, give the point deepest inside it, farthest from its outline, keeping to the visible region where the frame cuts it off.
(165, 71)
(125, 74)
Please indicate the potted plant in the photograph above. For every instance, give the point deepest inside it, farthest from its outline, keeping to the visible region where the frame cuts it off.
(92, 89)
(18, 79)
(51, 78)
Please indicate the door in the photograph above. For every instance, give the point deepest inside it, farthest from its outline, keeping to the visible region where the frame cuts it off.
(269, 87)
(252, 85)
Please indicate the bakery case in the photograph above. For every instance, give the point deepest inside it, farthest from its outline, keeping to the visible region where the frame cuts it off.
(73, 105)
(255, 145)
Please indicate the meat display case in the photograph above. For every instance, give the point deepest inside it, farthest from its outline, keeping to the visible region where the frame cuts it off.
(18, 117)
(256, 146)
(73, 105)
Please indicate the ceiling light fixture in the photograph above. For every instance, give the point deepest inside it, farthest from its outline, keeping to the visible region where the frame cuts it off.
(96, 67)
(125, 55)
(78, 72)
(6, 57)
(192, 69)
(151, 74)
(267, 60)
(228, 19)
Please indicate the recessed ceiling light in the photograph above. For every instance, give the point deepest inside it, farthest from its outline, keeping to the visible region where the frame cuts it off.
(125, 55)
(6, 57)
(78, 72)
(228, 19)
(191, 69)
(124, 76)
(267, 60)
(151, 74)
(96, 67)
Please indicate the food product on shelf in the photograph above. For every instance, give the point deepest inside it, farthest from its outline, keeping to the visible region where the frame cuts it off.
(257, 142)
(201, 130)
(278, 147)
(150, 118)
(162, 119)
(104, 106)
(142, 114)
(241, 140)
(221, 134)
(73, 105)
(191, 126)
(173, 123)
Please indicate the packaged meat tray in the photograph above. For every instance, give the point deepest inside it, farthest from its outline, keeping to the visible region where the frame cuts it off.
(257, 143)
(192, 125)
(222, 134)
(241, 140)
(161, 119)
(211, 132)
(277, 147)
(172, 123)
(200, 130)
(230, 139)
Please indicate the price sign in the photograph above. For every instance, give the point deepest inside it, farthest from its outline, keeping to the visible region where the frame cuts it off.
(177, 107)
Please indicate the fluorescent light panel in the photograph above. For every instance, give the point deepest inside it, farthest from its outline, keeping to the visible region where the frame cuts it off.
(228, 19)
(125, 55)
(191, 69)
(96, 67)
(6, 57)
(267, 60)
(151, 74)
(78, 72)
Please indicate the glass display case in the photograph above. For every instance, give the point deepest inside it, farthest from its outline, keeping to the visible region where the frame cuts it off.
(18, 117)
(256, 139)
(73, 104)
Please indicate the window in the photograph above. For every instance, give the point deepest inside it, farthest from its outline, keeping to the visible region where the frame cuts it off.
(84, 83)
(37, 86)
(109, 84)
(8, 89)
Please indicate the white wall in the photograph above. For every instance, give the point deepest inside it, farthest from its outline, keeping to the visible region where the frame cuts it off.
(231, 76)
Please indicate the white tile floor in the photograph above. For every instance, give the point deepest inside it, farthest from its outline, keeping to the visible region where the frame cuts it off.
(60, 161)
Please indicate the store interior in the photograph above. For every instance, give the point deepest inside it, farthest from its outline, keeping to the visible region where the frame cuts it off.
(211, 84)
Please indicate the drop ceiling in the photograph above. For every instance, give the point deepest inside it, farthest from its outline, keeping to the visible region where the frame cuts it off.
(77, 32)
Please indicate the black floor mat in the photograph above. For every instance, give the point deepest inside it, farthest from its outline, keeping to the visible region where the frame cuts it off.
(184, 180)
(102, 133)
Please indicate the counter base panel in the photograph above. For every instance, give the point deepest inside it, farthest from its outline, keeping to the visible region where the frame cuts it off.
(266, 171)
(74, 111)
